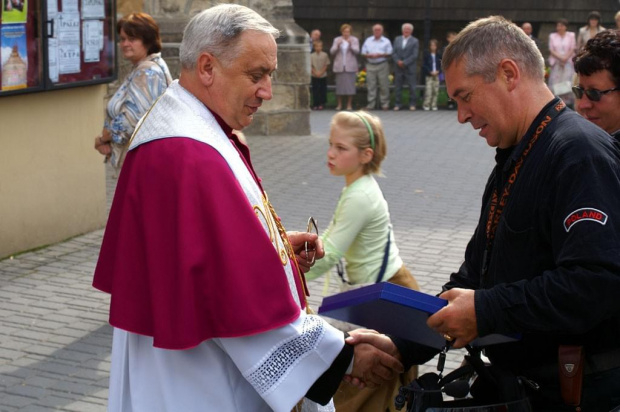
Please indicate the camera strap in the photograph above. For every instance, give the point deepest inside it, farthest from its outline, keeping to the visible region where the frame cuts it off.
(499, 202)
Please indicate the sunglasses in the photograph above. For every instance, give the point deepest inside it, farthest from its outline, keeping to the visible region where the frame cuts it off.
(310, 251)
(593, 94)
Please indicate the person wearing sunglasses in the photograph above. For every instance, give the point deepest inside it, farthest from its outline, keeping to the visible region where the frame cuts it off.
(598, 90)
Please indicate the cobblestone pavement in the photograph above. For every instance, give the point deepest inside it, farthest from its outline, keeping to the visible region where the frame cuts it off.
(54, 337)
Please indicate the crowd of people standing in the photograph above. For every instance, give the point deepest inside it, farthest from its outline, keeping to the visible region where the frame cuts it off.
(377, 63)
(381, 57)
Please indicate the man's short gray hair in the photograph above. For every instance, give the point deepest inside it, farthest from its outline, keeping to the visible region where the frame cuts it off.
(486, 42)
(407, 25)
(217, 30)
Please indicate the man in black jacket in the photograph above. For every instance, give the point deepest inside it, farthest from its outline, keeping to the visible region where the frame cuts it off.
(544, 260)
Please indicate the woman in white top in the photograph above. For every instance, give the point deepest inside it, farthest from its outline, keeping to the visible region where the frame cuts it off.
(561, 51)
(589, 30)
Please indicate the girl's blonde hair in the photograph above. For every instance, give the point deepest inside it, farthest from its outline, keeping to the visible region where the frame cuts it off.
(355, 127)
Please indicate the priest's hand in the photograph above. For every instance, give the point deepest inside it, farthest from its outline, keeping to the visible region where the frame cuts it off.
(457, 320)
(315, 248)
(376, 359)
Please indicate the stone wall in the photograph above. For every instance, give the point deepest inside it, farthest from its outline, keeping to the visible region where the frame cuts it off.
(288, 112)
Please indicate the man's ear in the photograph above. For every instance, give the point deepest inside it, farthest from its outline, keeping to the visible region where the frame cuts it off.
(509, 73)
(205, 68)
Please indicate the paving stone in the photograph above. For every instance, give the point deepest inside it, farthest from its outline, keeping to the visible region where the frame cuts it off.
(6, 381)
(82, 406)
(9, 353)
(40, 382)
(15, 370)
(56, 401)
(43, 350)
(61, 340)
(16, 401)
(56, 367)
(28, 391)
(34, 408)
(74, 387)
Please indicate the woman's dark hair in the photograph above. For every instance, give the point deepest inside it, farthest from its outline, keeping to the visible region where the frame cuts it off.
(594, 15)
(141, 26)
(601, 52)
(563, 22)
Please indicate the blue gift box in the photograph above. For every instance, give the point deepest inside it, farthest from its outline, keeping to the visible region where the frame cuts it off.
(394, 310)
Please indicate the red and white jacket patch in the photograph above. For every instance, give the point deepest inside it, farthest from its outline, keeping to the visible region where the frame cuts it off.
(586, 213)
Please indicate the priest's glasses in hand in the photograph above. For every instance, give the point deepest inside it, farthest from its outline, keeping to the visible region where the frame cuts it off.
(310, 249)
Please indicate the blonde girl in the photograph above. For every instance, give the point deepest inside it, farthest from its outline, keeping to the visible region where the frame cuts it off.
(361, 233)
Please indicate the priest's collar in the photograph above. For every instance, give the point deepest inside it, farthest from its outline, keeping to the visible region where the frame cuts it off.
(226, 128)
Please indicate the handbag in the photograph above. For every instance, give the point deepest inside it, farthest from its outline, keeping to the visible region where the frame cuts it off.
(561, 88)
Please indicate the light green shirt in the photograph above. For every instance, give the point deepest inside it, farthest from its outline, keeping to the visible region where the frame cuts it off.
(359, 232)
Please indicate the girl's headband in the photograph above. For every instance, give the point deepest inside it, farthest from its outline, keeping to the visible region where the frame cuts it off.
(370, 132)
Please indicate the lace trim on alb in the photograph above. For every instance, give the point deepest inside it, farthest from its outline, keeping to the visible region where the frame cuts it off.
(278, 363)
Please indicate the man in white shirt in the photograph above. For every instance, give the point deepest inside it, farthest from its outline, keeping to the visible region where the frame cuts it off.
(377, 49)
(406, 49)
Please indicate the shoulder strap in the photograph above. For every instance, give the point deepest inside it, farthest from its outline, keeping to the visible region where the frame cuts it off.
(386, 254)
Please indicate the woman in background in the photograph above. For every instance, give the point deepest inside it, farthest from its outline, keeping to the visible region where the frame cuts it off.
(344, 52)
(589, 30)
(140, 44)
(561, 51)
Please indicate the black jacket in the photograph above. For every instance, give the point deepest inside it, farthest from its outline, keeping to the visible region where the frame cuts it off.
(427, 64)
(554, 270)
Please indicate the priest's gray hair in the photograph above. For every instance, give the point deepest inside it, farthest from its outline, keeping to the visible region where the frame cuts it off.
(484, 43)
(217, 30)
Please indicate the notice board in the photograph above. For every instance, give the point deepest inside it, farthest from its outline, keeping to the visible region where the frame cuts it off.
(53, 44)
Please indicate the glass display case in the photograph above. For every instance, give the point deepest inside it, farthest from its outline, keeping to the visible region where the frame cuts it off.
(53, 44)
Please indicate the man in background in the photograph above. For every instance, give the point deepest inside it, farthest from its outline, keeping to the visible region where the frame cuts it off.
(406, 49)
(376, 50)
(527, 29)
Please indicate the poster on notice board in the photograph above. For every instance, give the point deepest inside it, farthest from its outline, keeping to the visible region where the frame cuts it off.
(14, 11)
(14, 56)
